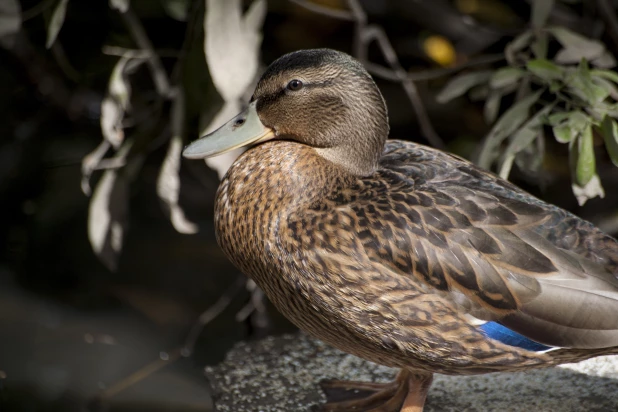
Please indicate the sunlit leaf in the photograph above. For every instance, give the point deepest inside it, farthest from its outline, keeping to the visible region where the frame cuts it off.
(545, 69)
(168, 182)
(505, 126)
(10, 21)
(586, 164)
(176, 9)
(459, 85)
(590, 190)
(609, 127)
(576, 47)
(540, 12)
(505, 76)
(111, 121)
(232, 45)
(120, 5)
(107, 214)
(56, 22)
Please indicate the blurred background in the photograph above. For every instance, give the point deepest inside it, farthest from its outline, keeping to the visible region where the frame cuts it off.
(113, 292)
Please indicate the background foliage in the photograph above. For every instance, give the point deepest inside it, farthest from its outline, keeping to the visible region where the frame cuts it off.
(113, 289)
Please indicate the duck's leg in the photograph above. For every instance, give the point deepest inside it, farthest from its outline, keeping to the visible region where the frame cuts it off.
(406, 393)
(418, 385)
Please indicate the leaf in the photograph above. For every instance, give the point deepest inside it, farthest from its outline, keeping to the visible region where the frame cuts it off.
(606, 61)
(107, 214)
(576, 46)
(505, 77)
(56, 22)
(10, 21)
(607, 74)
(540, 12)
(518, 44)
(459, 85)
(540, 45)
(609, 129)
(545, 69)
(492, 106)
(586, 164)
(232, 45)
(121, 5)
(505, 126)
(590, 190)
(168, 182)
(581, 85)
(112, 115)
(176, 9)
(523, 138)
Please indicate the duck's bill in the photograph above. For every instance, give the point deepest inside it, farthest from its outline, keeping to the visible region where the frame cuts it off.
(242, 130)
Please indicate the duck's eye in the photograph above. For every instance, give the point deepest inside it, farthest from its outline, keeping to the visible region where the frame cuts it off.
(295, 85)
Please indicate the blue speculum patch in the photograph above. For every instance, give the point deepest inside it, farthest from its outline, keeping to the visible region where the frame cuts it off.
(505, 335)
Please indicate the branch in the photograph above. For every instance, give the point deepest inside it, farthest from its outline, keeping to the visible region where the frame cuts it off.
(364, 35)
(138, 32)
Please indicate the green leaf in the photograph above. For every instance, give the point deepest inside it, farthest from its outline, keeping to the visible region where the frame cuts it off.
(492, 106)
(609, 129)
(586, 164)
(557, 118)
(459, 85)
(590, 190)
(523, 138)
(539, 47)
(505, 77)
(540, 12)
(607, 74)
(505, 126)
(56, 22)
(576, 46)
(581, 85)
(545, 69)
(562, 133)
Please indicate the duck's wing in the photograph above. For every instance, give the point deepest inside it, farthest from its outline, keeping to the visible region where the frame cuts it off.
(497, 252)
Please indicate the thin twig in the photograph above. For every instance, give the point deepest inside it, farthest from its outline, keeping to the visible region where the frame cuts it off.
(364, 35)
(326, 11)
(211, 313)
(367, 34)
(138, 32)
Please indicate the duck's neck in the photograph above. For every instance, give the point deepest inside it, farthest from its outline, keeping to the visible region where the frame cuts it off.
(264, 186)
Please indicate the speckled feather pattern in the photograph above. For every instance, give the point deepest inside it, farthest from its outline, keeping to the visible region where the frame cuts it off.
(388, 266)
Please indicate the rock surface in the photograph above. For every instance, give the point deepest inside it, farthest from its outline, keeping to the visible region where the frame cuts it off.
(282, 373)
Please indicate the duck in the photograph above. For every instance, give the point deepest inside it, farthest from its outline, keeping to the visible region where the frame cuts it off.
(398, 253)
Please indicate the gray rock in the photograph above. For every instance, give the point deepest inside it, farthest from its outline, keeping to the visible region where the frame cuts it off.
(282, 373)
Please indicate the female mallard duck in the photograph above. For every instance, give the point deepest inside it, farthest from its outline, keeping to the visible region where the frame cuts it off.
(398, 253)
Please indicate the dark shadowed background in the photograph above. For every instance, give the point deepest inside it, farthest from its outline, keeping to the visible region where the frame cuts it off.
(108, 262)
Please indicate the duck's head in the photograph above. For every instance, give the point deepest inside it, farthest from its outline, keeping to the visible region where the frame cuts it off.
(321, 98)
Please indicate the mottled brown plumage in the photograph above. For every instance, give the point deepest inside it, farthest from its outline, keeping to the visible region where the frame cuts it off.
(396, 252)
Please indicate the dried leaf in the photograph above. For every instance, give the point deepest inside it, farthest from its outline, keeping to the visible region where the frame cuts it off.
(505, 77)
(590, 190)
(168, 182)
(545, 69)
(576, 46)
(609, 128)
(107, 214)
(168, 188)
(504, 127)
(459, 85)
(56, 22)
(10, 21)
(232, 45)
(120, 5)
(176, 9)
(540, 12)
